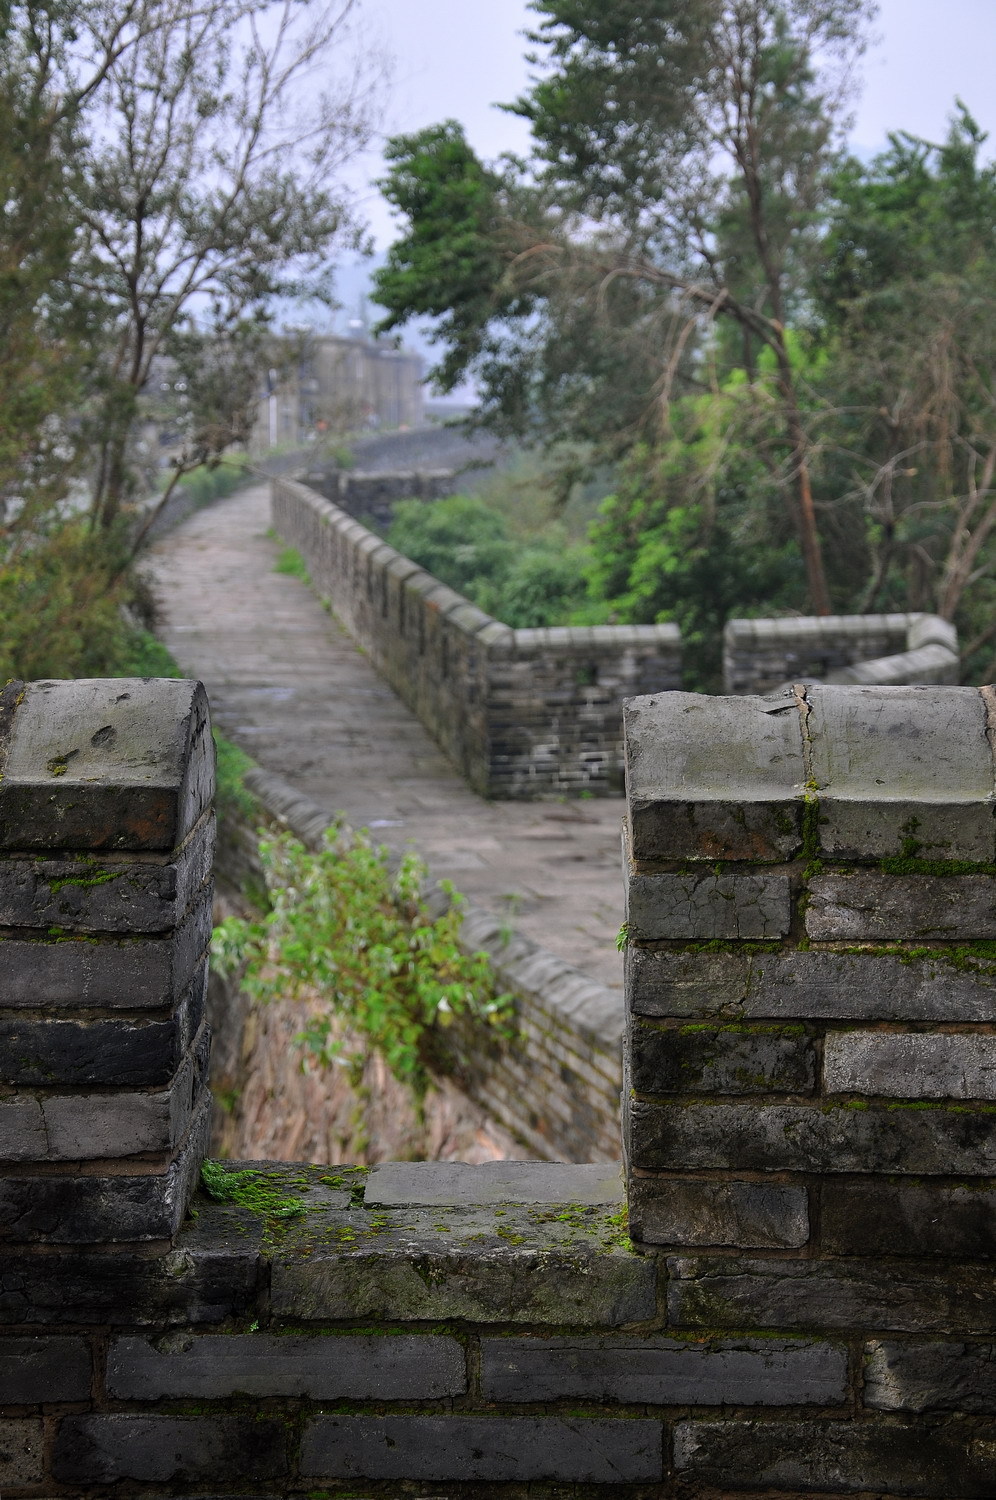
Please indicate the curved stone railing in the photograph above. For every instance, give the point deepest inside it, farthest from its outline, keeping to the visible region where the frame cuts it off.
(521, 713)
(879, 650)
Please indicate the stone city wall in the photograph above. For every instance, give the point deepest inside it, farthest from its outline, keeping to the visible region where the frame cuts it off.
(370, 495)
(882, 650)
(807, 1306)
(553, 1087)
(811, 1069)
(520, 713)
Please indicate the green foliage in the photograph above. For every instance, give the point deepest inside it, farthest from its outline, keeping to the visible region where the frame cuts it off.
(360, 946)
(466, 543)
(249, 1189)
(291, 562)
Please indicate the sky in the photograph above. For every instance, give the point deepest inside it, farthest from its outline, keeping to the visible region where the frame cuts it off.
(458, 58)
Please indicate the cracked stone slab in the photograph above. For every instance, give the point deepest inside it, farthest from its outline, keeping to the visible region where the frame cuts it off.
(709, 906)
(456, 1183)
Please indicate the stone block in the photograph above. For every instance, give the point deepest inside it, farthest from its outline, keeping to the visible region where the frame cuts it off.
(930, 1377)
(714, 778)
(722, 1060)
(22, 1445)
(133, 973)
(22, 1129)
(902, 762)
(428, 1183)
(106, 764)
(116, 893)
(879, 1217)
(85, 1127)
(161, 1449)
(517, 1265)
(911, 1066)
(115, 1209)
(812, 1138)
(351, 1367)
(665, 1372)
(579, 1450)
(131, 1053)
(44, 1369)
(745, 1215)
(872, 906)
(213, 1274)
(855, 1295)
(886, 1457)
(708, 906)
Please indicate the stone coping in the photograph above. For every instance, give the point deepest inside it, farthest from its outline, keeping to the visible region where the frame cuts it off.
(455, 1183)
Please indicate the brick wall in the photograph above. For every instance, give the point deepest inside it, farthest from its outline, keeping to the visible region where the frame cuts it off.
(370, 495)
(519, 712)
(878, 650)
(811, 988)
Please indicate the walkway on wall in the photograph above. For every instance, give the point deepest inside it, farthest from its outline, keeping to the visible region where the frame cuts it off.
(288, 685)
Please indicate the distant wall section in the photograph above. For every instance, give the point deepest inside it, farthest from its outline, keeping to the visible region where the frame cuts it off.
(521, 713)
(875, 650)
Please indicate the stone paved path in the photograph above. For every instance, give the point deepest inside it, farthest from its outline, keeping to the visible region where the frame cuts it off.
(288, 685)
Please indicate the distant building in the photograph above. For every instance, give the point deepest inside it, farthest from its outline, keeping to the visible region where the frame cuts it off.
(329, 385)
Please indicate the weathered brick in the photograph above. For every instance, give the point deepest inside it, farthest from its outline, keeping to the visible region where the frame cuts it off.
(44, 1369)
(485, 1266)
(596, 1451)
(714, 778)
(43, 1051)
(708, 906)
(114, 894)
(21, 1451)
(930, 1377)
(109, 764)
(86, 1210)
(812, 1138)
(808, 985)
(883, 1456)
(746, 1215)
(461, 1184)
(914, 1066)
(879, 1217)
(721, 1060)
(351, 1367)
(869, 905)
(712, 1292)
(158, 1449)
(664, 1372)
(136, 973)
(82, 1127)
(22, 1129)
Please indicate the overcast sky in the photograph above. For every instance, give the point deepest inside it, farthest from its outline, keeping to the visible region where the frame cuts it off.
(458, 58)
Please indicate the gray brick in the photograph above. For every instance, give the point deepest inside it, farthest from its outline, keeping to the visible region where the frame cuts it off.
(664, 1372)
(812, 1138)
(807, 985)
(520, 1265)
(44, 1369)
(860, 1295)
(597, 1451)
(81, 1127)
(106, 764)
(714, 778)
(721, 1060)
(22, 1129)
(85, 1210)
(158, 1449)
(21, 1451)
(113, 894)
(746, 1215)
(943, 778)
(460, 1183)
(125, 1052)
(136, 973)
(351, 1367)
(914, 1066)
(708, 906)
(931, 1377)
(815, 1457)
(879, 1217)
(869, 905)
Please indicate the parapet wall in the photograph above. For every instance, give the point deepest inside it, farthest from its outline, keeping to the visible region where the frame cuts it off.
(884, 650)
(811, 1065)
(371, 494)
(520, 713)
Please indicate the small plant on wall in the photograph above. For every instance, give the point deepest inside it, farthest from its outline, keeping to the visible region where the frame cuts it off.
(359, 945)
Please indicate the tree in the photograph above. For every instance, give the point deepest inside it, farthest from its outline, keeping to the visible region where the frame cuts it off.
(683, 155)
